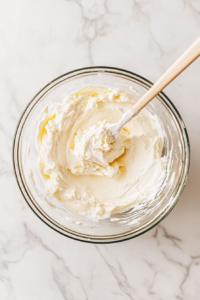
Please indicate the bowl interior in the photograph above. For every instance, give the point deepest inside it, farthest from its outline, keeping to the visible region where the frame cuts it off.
(120, 226)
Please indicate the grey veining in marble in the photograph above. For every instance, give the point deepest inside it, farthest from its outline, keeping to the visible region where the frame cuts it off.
(42, 39)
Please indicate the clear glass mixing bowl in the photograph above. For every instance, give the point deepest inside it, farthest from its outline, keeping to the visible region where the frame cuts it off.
(120, 226)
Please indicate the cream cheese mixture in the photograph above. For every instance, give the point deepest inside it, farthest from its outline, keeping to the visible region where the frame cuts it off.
(82, 165)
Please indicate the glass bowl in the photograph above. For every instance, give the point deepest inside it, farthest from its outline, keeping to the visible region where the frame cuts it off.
(121, 226)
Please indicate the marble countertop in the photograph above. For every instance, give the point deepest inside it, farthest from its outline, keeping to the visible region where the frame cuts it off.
(42, 39)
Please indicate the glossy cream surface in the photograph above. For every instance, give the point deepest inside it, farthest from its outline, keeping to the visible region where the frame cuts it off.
(81, 164)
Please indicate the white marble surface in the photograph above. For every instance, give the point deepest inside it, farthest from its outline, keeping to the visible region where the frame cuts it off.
(42, 39)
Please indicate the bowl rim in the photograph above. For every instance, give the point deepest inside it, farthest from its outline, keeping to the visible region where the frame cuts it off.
(20, 181)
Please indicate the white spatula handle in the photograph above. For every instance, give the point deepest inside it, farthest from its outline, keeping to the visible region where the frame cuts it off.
(179, 66)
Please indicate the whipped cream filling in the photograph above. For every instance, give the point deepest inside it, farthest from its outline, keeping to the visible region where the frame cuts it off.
(84, 168)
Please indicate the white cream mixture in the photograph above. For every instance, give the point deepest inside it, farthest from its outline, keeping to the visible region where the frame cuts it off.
(82, 166)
